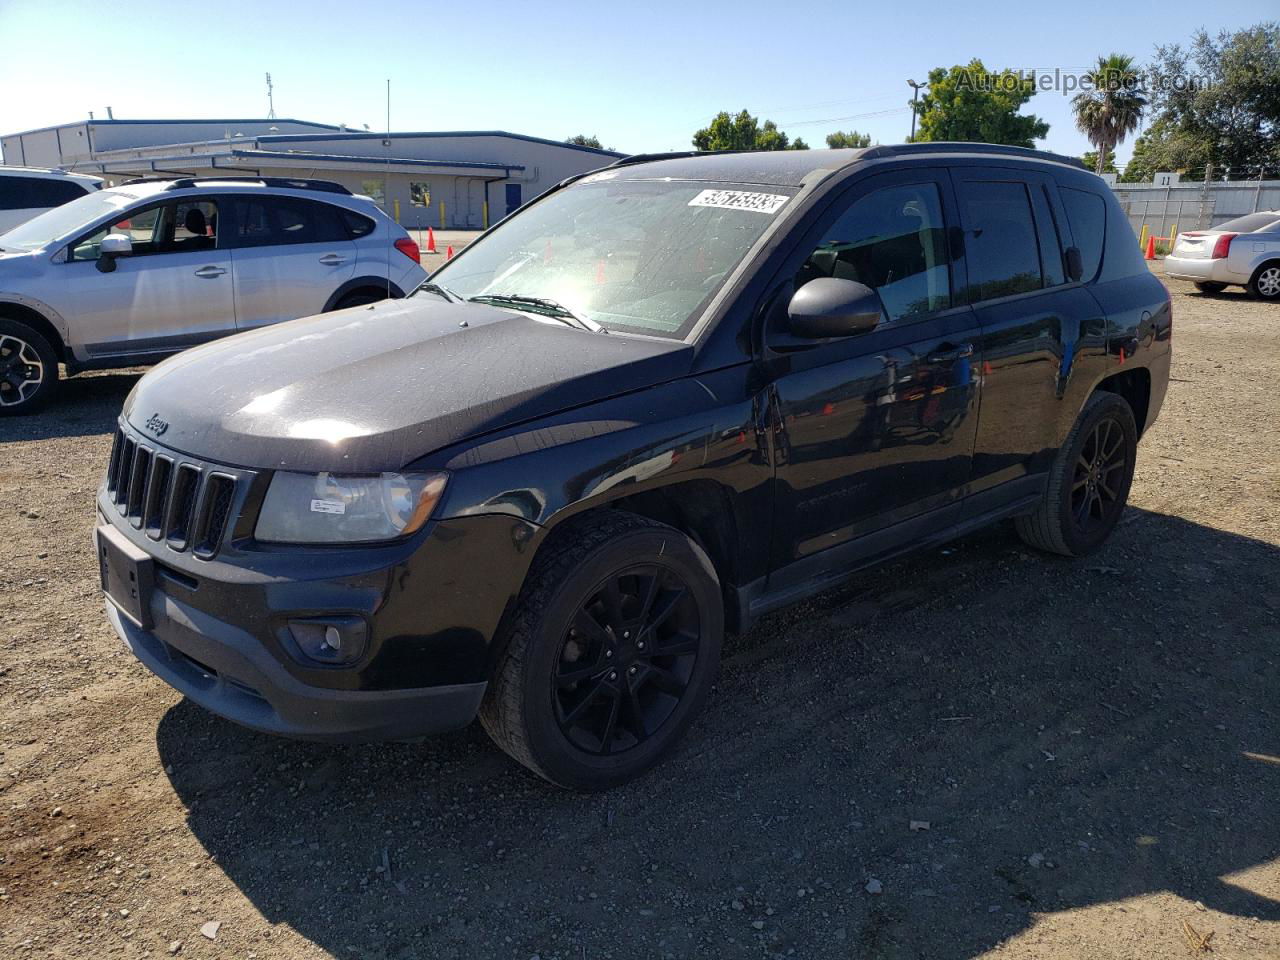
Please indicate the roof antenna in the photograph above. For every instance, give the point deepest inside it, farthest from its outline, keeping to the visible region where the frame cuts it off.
(386, 184)
(271, 103)
(110, 115)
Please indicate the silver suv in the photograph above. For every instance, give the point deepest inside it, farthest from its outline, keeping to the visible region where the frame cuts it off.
(132, 274)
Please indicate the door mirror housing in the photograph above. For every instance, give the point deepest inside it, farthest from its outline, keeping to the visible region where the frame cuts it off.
(1075, 263)
(113, 245)
(832, 307)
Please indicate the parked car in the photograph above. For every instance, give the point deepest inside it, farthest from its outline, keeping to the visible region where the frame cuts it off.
(132, 274)
(26, 192)
(662, 400)
(1241, 252)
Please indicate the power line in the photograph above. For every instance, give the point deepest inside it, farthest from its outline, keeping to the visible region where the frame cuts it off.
(853, 116)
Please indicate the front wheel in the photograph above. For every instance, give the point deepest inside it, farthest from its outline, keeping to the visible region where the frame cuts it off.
(1089, 481)
(28, 369)
(1207, 286)
(1265, 283)
(611, 653)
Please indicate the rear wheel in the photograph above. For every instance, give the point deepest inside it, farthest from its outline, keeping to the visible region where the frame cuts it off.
(1205, 286)
(1265, 283)
(611, 653)
(1089, 482)
(28, 369)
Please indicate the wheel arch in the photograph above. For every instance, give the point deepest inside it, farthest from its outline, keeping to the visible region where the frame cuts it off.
(375, 284)
(24, 313)
(1134, 387)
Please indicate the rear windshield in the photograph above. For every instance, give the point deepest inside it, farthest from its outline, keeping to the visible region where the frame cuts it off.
(55, 224)
(632, 255)
(1249, 223)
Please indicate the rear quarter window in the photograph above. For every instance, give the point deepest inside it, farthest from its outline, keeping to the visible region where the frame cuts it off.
(357, 226)
(1087, 215)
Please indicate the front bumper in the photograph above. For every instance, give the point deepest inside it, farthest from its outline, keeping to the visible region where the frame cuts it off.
(229, 673)
(1200, 270)
(211, 611)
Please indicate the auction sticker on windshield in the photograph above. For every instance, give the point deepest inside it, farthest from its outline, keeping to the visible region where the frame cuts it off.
(739, 200)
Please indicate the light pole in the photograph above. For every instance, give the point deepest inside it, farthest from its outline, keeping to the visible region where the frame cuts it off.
(914, 98)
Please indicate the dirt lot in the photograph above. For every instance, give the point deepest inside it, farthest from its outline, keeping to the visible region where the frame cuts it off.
(1093, 745)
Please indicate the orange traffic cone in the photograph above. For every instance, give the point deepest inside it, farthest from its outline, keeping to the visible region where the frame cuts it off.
(448, 253)
(431, 240)
(1151, 247)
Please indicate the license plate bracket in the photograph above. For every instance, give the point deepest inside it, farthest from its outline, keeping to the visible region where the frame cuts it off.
(128, 575)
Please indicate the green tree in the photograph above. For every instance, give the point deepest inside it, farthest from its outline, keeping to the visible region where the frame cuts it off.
(1217, 102)
(582, 140)
(852, 138)
(971, 103)
(744, 132)
(1111, 108)
(1090, 160)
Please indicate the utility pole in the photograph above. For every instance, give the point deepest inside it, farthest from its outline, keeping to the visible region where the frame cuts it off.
(271, 104)
(915, 97)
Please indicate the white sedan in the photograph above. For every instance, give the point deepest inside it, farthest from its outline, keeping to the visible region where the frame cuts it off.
(1241, 252)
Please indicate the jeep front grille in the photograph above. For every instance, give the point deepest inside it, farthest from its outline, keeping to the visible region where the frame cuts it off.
(185, 504)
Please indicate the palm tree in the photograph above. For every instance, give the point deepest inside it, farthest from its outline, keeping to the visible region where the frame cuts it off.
(1112, 109)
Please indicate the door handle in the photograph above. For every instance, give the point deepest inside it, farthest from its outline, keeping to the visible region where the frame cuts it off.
(332, 259)
(949, 353)
(209, 272)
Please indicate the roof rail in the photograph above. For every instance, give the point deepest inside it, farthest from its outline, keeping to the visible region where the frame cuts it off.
(288, 183)
(674, 155)
(961, 146)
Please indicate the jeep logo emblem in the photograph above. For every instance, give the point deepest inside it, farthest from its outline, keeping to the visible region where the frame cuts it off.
(156, 425)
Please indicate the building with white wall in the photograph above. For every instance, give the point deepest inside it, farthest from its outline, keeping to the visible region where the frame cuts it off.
(463, 179)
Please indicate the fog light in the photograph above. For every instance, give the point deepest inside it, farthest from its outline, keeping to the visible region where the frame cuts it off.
(331, 640)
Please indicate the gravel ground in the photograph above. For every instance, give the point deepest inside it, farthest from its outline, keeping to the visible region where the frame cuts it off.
(982, 751)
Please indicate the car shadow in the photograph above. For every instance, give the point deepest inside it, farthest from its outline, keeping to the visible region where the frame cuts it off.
(1065, 734)
(85, 405)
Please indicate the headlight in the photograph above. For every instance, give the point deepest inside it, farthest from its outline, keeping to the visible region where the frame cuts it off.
(335, 508)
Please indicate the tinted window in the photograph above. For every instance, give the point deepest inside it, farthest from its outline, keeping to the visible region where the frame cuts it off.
(1000, 239)
(1087, 214)
(268, 221)
(1249, 223)
(893, 241)
(25, 193)
(1051, 261)
(357, 226)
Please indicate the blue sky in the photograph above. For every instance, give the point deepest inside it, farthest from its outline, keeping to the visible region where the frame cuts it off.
(642, 76)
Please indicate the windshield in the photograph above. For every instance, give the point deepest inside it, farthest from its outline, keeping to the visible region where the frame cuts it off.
(630, 255)
(57, 223)
(1249, 223)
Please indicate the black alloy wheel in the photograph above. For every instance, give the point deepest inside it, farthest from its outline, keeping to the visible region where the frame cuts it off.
(1097, 489)
(610, 653)
(626, 659)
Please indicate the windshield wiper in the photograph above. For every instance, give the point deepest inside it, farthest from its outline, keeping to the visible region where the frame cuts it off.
(542, 305)
(432, 287)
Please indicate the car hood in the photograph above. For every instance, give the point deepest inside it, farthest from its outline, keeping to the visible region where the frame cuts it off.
(374, 388)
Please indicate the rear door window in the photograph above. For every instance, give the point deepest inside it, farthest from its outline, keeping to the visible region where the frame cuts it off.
(999, 239)
(26, 193)
(272, 221)
(1087, 215)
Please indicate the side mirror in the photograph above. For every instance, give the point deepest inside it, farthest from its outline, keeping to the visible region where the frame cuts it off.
(831, 307)
(113, 245)
(1075, 263)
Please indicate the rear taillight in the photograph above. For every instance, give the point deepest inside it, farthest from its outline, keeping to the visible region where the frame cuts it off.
(1222, 246)
(410, 249)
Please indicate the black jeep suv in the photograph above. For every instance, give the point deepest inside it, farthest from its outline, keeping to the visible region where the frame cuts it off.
(667, 397)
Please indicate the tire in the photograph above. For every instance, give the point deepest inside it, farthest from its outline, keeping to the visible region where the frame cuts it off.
(572, 700)
(359, 298)
(28, 369)
(1056, 525)
(1205, 286)
(1265, 282)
